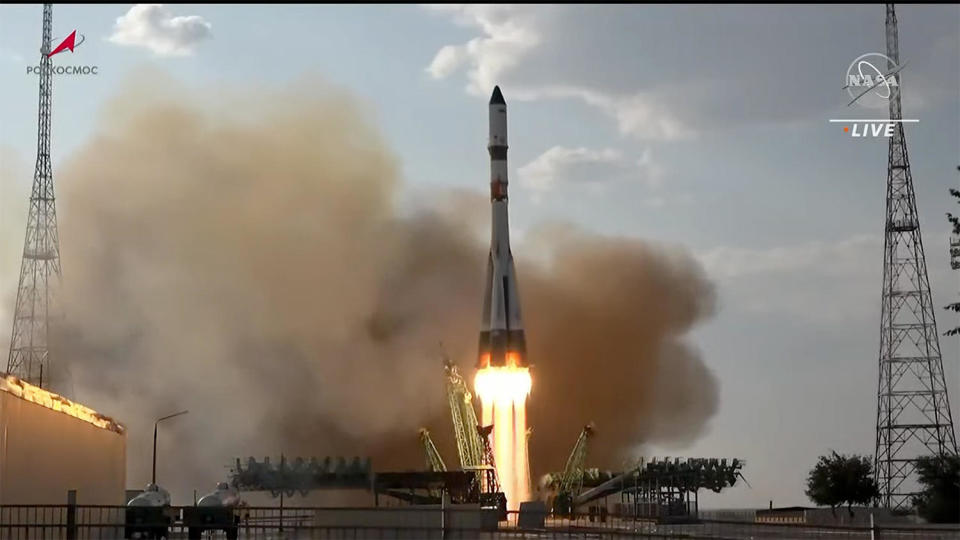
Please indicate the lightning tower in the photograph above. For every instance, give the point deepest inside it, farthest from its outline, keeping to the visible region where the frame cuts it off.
(40, 270)
(913, 411)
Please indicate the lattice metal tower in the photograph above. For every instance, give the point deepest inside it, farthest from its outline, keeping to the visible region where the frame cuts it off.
(40, 270)
(913, 412)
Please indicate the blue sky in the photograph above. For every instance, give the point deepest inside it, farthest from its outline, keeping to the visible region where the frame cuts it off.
(704, 127)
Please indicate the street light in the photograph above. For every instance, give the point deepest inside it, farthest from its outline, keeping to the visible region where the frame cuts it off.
(155, 424)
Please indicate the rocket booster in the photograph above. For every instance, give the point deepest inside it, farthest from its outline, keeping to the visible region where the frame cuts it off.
(502, 341)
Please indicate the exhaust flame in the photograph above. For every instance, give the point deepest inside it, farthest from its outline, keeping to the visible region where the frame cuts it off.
(503, 395)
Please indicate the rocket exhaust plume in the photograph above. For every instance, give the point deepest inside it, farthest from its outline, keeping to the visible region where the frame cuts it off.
(244, 256)
(503, 375)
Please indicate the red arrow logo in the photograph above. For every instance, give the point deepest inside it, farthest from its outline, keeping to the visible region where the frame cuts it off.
(68, 43)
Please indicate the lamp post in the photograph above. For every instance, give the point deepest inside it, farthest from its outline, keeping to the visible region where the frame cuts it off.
(153, 479)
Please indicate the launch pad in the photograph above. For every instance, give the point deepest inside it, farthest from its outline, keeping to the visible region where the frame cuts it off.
(494, 447)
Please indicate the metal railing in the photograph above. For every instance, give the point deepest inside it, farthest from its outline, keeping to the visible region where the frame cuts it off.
(69, 522)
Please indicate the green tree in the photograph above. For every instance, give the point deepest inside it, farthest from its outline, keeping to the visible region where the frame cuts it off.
(939, 476)
(954, 256)
(837, 479)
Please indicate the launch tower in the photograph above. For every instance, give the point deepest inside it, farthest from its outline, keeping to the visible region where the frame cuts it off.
(913, 411)
(40, 270)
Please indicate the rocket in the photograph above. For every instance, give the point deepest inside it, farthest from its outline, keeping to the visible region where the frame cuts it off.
(502, 341)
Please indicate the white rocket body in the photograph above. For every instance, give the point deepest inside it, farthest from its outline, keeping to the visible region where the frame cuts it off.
(502, 340)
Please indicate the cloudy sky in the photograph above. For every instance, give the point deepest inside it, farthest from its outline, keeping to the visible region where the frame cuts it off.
(699, 126)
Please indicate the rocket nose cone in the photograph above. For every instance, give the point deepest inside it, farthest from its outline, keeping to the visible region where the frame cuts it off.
(497, 97)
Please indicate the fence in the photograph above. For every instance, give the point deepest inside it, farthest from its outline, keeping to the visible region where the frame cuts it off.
(19, 522)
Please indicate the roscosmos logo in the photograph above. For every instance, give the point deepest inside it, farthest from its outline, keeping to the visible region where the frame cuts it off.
(69, 43)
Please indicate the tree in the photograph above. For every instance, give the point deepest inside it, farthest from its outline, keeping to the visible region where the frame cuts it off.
(939, 476)
(837, 479)
(954, 256)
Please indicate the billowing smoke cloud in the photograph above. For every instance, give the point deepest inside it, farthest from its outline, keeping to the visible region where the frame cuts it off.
(245, 259)
(605, 323)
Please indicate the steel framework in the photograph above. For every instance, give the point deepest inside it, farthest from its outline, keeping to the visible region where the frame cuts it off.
(301, 475)
(434, 460)
(913, 411)
(472, 438)
(469, 445)
(662, 488)
(570, 481)
(491, 483)
(29, 354)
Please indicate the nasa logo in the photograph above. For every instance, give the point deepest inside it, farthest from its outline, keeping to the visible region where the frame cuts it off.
(871, 80)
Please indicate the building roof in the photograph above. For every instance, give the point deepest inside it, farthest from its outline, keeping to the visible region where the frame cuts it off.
(783, 509)
(34, 394)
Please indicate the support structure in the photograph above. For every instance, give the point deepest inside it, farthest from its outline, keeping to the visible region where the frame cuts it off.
(29, 357)
(491, 484)
(913, 411)
(300, 475)
(434, 461)
(571, 479)
(661, 488)
(469, 445)
(472, 438)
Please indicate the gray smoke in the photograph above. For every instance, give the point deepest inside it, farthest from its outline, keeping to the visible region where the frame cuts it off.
(243, 257)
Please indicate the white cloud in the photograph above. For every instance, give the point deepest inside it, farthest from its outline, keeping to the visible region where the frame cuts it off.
(585, 167)
(664, 73)
(821, 281)
(447, 60)
(845, 255)
(154, 27)
(511, 33)
(641, 114)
